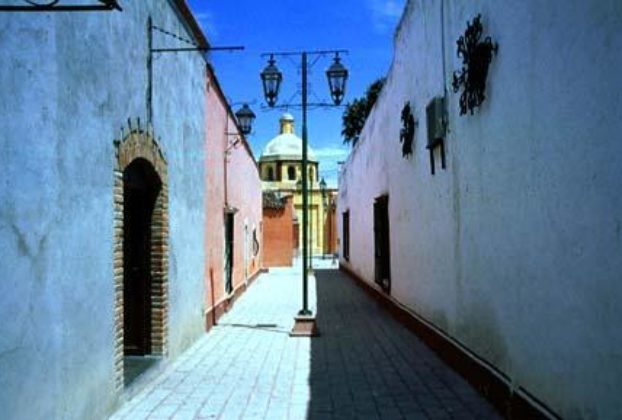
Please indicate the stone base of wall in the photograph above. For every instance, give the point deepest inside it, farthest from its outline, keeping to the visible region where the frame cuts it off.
(213, 314)
(489, 382)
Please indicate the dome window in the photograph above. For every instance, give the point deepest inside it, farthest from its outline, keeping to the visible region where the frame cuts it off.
(291, 173)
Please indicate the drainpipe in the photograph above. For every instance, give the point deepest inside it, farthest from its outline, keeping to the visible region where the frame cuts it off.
(149, 92)
(225, 160)
(443, 49)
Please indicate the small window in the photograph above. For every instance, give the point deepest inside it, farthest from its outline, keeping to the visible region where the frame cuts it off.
(291, 173)
(270, 175)
(345, 226)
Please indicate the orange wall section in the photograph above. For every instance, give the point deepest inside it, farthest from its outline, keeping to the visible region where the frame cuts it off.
(279, 235)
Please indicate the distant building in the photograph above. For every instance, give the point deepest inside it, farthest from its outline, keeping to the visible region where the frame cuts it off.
(510, 256)
(280, 167)
(279, 229)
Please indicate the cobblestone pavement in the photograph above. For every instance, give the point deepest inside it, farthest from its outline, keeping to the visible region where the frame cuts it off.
(365, 364)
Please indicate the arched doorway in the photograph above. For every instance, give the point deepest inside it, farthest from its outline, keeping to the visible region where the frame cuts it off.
(140, 250)
(141, 186)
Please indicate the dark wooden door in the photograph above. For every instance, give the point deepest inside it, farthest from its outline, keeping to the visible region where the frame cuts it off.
(381, 243)
(229, 252)
(140, 190)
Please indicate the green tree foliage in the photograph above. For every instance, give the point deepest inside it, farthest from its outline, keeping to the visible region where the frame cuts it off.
(357, 111)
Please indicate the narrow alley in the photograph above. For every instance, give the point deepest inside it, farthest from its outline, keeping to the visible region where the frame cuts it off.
(364, 365)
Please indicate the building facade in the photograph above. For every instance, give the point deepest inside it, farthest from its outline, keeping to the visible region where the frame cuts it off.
(103, 210)
(233, 231)
(279, 230)
(508, 249)
(280, 167)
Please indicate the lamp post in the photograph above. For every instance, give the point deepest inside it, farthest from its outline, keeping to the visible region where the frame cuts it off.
(299, 188)
(308, 262)
(310, 226)
(271, 78)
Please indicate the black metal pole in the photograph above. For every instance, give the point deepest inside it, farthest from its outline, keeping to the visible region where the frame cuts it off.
(203, 49)
(150, 28)
(305, 245)
(150, 71)
(310, 187)
(109, 6)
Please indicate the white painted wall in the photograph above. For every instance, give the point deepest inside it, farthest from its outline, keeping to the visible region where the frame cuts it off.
(515, 250)
(69, 82)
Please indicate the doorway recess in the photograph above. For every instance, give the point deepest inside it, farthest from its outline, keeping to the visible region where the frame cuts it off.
(140, 255)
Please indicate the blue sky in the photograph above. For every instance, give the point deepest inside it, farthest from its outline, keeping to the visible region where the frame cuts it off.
(364, 27)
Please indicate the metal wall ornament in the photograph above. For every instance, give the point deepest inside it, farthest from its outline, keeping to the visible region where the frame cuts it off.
(476, 57)
(58, 6)
(407, 133)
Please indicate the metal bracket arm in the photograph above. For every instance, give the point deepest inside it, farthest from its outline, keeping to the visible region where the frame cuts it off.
(54, 6)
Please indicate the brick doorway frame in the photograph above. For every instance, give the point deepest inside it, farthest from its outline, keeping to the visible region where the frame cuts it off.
(141, 145)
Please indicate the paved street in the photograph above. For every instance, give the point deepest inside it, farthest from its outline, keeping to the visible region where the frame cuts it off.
(365, 365)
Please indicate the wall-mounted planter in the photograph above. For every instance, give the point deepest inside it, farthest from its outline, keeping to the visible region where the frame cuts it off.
(476, 57)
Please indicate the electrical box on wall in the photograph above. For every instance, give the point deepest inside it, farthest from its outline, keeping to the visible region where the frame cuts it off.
(436, 122)
(435, 112)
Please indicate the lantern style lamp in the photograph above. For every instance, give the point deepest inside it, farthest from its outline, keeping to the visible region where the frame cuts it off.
(245, 117)
(337, 76)
(271, 79)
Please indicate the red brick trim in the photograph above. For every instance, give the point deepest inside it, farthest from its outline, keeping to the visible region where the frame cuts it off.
(491, 383)
(213, 314)
(132, 145)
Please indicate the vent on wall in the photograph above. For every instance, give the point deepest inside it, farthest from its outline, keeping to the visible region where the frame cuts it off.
(436, 122)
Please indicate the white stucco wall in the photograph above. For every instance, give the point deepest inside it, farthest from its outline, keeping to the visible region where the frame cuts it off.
(69, 82)
(515, 250)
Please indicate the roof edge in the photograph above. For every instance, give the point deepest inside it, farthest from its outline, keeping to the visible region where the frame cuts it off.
(193, 25)
(230, 113)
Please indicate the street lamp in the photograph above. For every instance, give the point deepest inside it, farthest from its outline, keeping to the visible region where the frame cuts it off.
(271, 79)
(337, 76)
(245, 117)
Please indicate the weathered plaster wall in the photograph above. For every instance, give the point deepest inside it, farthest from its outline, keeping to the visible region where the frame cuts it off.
(215, 144)
(242, 192)
(69, 82)
(515, 250)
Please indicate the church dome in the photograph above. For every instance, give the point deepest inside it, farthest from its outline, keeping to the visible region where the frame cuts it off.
(287, 145)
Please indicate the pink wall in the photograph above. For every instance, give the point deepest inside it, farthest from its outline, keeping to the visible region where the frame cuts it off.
(243, 192)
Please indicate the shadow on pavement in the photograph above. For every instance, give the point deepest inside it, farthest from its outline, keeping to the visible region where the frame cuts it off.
(264, 327)
(366, 365)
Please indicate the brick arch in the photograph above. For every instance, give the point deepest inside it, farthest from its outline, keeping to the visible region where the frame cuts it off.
(139, 144)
